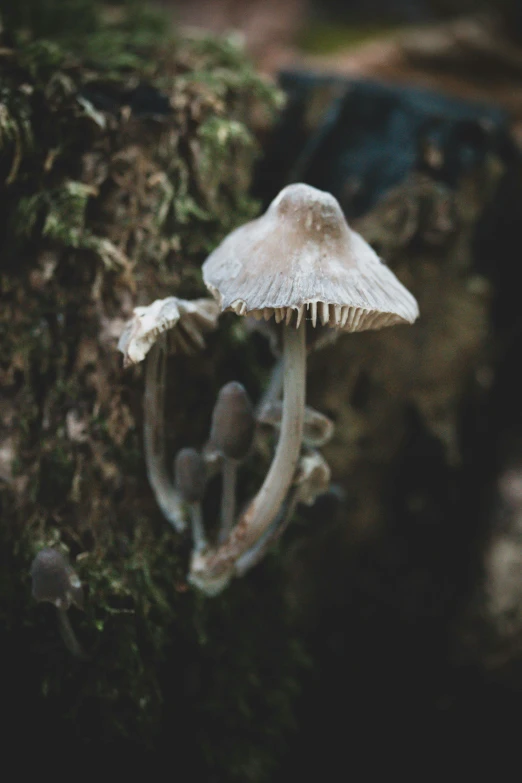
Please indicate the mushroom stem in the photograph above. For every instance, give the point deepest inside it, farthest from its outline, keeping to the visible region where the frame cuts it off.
(267, 503)
(199, 537)
(270, 536)
(211, 570)
(228, 498)
(168, 498)
(68, 635)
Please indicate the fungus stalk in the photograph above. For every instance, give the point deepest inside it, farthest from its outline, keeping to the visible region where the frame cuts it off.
(190, 477)
(311, 480)
(211, 570)
(273, 532)
(228, 499)
(199, 537)
(231, 435)
(268, 501)
(167, 497)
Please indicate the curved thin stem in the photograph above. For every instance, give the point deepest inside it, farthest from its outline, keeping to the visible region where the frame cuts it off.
(228, 498)
(267, 503)
(69, 637)
(198, 530)
(212, 570)
(273, 533)
(167, 497)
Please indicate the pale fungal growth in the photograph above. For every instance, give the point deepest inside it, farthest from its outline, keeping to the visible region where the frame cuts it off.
(312, 478)
(318, 429)
(299, 261)
(186, 321)
(146, 333)
(154, 439)
(190, 478)
(231, 434)
(55, 581)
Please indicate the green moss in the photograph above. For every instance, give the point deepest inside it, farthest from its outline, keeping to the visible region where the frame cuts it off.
(124, 159)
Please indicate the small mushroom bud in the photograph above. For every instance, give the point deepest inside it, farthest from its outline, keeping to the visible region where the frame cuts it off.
(190, 477)
(233, 421)
(55, 581)
(231, 433)
(312, 478)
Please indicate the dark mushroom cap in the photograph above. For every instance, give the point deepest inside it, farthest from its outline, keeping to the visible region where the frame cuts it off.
(301, 255)
(233, 422)
(54, 580)
(190, 475)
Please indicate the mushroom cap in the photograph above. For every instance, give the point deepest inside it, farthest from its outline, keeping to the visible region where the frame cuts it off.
(233, 421)
(302, 255)
(54, 580)
(187, 321)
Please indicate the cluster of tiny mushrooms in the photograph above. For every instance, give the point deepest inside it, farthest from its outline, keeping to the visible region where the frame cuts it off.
(298, 265)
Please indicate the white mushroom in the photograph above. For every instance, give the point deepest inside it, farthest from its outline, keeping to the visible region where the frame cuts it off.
(299, 260)
(188, 320)
(144, 334)
(231, 434)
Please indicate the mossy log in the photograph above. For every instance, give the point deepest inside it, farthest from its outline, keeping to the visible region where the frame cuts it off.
(126, 154)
